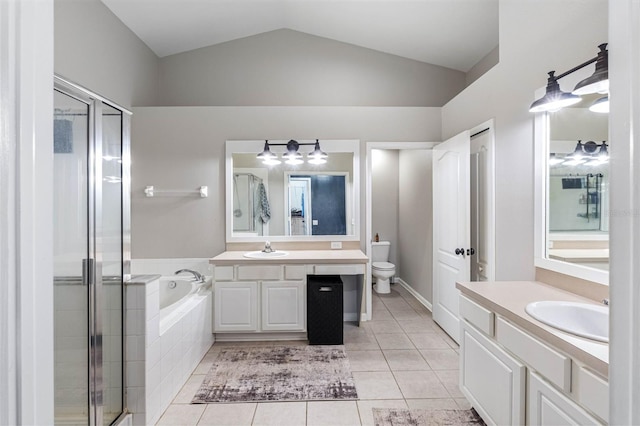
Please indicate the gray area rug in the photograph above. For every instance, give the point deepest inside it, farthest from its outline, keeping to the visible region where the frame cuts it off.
(403, 417)
(278, 373)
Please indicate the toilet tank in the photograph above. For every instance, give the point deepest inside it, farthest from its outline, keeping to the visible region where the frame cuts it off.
(380, 251)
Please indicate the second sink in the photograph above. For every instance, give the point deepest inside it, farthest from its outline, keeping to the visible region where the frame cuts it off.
(580, 319)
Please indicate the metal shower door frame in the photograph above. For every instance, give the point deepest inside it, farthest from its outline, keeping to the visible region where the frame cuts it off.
(93, 269)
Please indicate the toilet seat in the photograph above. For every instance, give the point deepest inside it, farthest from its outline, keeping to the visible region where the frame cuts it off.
(382, 266)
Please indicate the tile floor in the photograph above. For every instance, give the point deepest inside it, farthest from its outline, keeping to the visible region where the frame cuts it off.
(400, 359)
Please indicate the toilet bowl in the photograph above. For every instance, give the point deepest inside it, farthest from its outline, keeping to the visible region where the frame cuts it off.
(381, 269)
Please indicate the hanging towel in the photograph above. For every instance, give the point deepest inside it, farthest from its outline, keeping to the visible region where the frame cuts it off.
(62, 136)
(263, 209)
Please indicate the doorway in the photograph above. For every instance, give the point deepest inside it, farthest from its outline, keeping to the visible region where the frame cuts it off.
(410, 201)
(91, 255)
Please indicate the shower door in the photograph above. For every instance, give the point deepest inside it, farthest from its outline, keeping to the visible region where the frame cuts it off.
(90, 256)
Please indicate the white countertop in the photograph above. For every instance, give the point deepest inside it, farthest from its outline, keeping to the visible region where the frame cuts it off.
(294, 257)
(580, 255)
(509, 299)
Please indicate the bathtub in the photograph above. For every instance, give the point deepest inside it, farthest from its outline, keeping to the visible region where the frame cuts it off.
(169, 330)
(178, 295)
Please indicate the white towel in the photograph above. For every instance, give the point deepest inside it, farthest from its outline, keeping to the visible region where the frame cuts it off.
(262, 207)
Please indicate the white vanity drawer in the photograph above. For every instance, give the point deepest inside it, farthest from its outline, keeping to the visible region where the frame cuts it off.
(553, 365)
(223, 273)
(357, 269)
(259, 272)
(593, 393)
(482, 318)
(295, 272)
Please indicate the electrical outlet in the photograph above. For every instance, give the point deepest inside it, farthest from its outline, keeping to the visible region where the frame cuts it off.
(314, 222)
(336, 245)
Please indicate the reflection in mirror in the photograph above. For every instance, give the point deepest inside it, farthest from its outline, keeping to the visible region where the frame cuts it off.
(317, 203)
(291, 201)
(578, 187)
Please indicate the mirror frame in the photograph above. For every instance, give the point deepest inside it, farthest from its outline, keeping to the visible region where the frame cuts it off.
(256, 146)
(541, 224)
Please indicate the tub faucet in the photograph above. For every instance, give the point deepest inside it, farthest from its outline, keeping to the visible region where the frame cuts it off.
(198, 276)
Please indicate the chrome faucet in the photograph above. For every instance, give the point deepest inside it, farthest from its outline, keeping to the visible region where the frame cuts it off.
(267, 248)
(198, 276)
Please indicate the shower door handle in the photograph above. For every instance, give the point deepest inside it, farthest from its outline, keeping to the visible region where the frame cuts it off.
(87, 271)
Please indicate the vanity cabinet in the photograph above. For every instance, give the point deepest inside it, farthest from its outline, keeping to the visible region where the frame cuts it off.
(484, 366)
(244, 306)
(283, 306)
(266, 299)
(259, 298)
(548, 406)
(506, 372)
(235, 306)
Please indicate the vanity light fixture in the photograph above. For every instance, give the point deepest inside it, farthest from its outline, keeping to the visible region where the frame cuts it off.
(601, 105)
(267, 156)
(588, 151)
(317, 156)
(554, 160)
(293, 156)
(555, 99)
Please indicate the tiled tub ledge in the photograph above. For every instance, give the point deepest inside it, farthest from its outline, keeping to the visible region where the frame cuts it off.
(162, 349)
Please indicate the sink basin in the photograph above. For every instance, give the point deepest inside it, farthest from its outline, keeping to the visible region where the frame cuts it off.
(580, 319)
(263, 255)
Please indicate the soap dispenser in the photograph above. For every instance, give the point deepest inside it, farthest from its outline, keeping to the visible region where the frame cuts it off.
(377, 238)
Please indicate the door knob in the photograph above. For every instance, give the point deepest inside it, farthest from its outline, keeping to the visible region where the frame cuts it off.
(471, 251)
(459, 251)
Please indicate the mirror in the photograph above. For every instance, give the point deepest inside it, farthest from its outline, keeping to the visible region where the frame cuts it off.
(575, 192)
(292, 202)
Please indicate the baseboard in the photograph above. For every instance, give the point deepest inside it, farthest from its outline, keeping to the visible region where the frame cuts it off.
(254, 337)
(414, 293)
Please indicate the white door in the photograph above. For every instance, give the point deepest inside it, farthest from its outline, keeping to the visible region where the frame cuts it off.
(451, 240)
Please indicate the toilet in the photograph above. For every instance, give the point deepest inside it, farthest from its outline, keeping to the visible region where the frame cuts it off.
(381, 269)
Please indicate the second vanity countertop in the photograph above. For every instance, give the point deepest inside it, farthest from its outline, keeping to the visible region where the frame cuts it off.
(509, 299)
(294, 257)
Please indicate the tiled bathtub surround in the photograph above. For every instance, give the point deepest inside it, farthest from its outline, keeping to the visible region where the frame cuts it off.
(158, 363)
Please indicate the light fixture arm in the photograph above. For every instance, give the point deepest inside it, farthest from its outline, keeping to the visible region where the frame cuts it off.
(576, 68)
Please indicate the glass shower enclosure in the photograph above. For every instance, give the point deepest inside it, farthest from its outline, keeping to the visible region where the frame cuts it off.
(91, 255)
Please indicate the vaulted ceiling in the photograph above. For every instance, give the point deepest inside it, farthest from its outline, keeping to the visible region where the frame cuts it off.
(450, 33)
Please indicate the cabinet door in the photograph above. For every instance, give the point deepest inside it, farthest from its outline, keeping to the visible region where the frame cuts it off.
(547, 406)
(492, 380)
(283, 306)
(236, 306)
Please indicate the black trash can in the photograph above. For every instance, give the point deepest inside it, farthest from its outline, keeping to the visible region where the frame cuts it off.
(324, 310)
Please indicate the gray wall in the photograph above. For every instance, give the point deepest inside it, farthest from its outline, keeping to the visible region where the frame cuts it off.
(505, 93)
(93, 48)
(490, 60)
(384, 199)
(415, 221)
(183, 148)
(286, 67)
